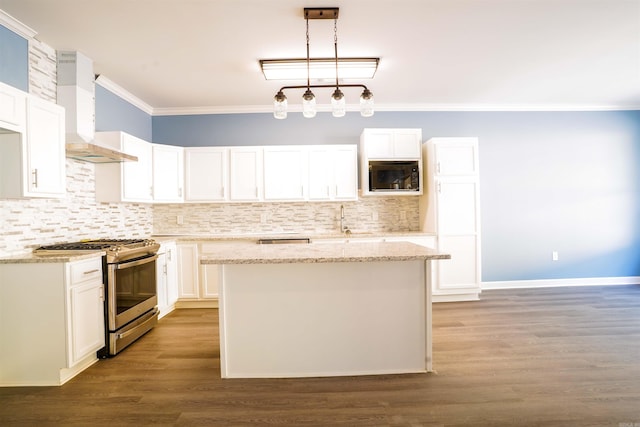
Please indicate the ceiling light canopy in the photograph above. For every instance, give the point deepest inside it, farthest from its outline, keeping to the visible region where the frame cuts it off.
(321, 69)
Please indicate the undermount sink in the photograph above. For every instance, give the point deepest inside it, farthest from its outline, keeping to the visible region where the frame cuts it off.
(284, 240)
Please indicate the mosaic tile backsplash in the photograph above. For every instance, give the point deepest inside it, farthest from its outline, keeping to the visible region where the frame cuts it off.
(29, 223)
(374, 214)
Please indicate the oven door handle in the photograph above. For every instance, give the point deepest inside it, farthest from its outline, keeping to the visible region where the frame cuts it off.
(123, 265)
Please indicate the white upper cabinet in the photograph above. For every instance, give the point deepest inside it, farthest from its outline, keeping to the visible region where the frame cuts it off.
(125, 181)
(206, 174)
(32, 163)
(245, 174)
(285, 173)
(390, 144)
(454, 157)
(333, 172)
(45, 146)
(12, 108)
(168, 173)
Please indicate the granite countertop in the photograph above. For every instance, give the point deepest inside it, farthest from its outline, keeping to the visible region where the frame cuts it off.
(30, 257)
(253, 253)
(276, 235)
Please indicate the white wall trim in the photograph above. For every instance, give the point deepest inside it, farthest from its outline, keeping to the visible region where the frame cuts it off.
(244, 109)
(16, 26)
(552, 283)
(124, 94)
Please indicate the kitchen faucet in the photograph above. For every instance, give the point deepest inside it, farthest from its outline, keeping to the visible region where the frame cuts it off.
(343, 228)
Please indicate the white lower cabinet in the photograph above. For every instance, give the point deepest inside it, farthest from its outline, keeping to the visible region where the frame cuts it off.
(167, 277)
(51, 320)
(192, 288)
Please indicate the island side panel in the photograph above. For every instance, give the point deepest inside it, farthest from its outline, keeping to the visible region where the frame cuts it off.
(323, 319)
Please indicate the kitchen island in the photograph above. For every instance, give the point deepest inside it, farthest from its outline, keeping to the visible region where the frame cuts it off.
(323, 309)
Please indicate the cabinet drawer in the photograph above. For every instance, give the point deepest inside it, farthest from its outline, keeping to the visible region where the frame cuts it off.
(84, 271)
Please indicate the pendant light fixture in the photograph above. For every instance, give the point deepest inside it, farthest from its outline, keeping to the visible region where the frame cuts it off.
(338, 101)
(308, 99)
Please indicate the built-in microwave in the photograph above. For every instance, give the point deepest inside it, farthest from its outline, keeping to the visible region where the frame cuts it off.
(394, 175)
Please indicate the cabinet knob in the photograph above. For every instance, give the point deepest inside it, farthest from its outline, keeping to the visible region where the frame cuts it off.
(35, 178)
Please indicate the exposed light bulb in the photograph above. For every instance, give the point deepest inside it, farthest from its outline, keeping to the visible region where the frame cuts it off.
(366, 103)
(280, 106)
(308, 104)
(338, 103)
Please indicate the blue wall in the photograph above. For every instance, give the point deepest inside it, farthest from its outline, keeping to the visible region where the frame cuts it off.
(549, 181)
(114, 113)
(14, 59)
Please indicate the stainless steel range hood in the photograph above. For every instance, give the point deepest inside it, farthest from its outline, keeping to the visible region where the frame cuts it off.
(76, 93)
(96, 154)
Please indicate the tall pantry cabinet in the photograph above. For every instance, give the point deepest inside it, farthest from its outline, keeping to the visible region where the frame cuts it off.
(451, 209)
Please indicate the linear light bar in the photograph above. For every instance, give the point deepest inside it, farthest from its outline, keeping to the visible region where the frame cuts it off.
(319, 68)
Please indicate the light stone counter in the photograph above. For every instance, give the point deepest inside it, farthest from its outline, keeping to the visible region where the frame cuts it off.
(30, 257)
(253, 253)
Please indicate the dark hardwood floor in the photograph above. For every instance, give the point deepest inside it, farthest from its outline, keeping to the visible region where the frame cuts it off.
(543, 357)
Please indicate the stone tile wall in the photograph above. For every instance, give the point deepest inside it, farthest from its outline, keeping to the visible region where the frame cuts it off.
(373, 214)
(25, 224)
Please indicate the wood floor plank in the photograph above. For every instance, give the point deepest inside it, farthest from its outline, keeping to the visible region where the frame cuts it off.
(528, 357)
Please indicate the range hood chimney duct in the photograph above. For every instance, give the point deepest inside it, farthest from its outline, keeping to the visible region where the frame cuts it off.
(76, 93)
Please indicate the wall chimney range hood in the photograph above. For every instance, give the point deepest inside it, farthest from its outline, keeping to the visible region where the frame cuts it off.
(76, 93)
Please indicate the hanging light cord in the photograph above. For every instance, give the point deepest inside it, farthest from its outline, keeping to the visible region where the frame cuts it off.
(335, 48)
(308, 60)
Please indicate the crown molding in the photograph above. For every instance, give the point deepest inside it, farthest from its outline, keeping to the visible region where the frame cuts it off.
(124, 94)
(252, 109)
(16, 26)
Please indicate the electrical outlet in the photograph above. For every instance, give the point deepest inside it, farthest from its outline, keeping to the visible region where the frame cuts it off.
(179, 219)
(554, 255)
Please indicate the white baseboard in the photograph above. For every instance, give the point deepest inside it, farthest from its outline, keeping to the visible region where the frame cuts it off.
(552, 283)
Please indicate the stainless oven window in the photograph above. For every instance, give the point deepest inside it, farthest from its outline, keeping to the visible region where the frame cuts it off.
(135, 283)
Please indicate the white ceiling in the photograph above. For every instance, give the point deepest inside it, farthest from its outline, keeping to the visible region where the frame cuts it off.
(202, 55)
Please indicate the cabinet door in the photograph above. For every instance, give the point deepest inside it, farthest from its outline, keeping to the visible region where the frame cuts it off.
(12, 108)
(87, 320)
(137, 176)
(245, 171)
(168, 173)
(457, 206)
(285, 173)
(333, 172)
(377, 143)
(345, 172)
(321, 173)
(171, 253)
(206, 174)
(210, 281)
(188, 276)
(46, 173)
(407, 143)
(392, 143)
(462, 271)
(161, 281)
(455, 156)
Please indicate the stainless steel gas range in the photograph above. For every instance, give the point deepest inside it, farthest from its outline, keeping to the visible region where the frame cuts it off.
(129, 275)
